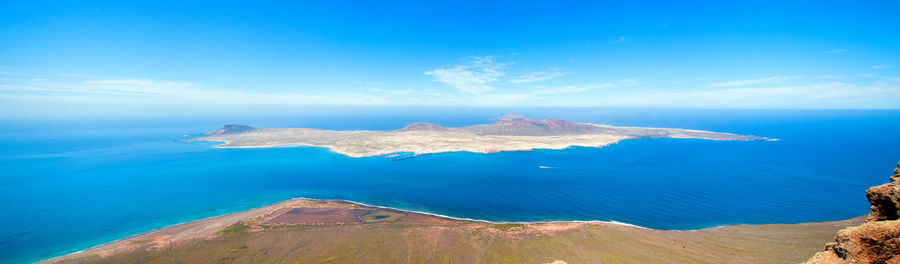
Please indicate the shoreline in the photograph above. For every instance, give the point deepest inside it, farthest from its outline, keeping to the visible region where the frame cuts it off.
(225, 145)
(493, 222)
(612, 222)
(61, 257)
(74, 254)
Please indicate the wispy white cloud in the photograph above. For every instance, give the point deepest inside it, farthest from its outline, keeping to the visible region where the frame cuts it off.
(588, 87)
(123, 93)
(76, 75)
(628, 82)
(112, 87)
(690, 80)
(367, 83)
(837, 51)
(473, 77)
(880, 66)
(393, 91)
(774, 79)
(537, 76)
(617, 40)
(571, 88)
(156, 92)
(829, 76)
(821, 95)
(865, 75)
(166, 94)
(11, 72)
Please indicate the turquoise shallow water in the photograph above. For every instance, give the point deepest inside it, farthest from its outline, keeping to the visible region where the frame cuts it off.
(66, 186)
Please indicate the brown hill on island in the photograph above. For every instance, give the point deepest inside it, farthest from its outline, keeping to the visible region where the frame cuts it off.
(533, 127)
(878, 240)
(229, 129)
(422, 126)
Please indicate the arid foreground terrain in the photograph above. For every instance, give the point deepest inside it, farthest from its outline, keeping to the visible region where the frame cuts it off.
(314, 231)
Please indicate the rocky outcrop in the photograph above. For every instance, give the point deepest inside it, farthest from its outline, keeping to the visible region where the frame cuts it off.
(885, 201)
(878, 240)
(896, 176)
(229, 129)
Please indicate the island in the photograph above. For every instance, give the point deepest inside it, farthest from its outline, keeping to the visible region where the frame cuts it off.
(506, 134)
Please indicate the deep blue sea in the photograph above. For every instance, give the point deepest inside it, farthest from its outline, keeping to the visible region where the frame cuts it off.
(68, 185)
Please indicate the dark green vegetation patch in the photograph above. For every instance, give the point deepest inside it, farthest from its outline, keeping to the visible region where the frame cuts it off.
(381, 216)
(233, 229)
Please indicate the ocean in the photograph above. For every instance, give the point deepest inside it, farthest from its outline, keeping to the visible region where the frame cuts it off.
(69, 185)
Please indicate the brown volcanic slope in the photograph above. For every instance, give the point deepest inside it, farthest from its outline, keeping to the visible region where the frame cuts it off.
(229, 129)
(556, 127)
(878, 240)
(422, 126)
(312, 231)
(533, 127)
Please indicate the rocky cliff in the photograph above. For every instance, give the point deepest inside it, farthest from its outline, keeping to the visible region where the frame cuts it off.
(876, 241)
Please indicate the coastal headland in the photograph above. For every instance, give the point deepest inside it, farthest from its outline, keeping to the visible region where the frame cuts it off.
(509, 134)
(326, 231)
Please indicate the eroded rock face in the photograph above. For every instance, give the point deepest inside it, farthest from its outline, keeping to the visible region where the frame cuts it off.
(885, 201)
(872, 242)
(896, 176)
(878, 240)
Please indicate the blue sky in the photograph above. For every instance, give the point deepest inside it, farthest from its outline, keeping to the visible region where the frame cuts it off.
(100, 57)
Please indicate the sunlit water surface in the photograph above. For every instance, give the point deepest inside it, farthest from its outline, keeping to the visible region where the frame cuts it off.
(67, 186)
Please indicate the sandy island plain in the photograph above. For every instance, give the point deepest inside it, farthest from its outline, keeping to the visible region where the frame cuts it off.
(424, 138)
